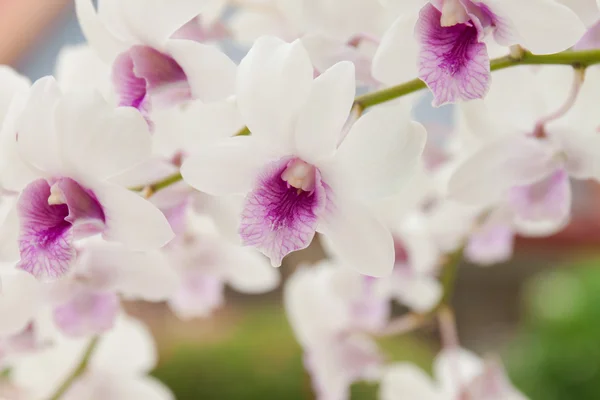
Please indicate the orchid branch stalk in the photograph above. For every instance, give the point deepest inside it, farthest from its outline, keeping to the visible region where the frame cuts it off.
(78, 371)
(577, 59)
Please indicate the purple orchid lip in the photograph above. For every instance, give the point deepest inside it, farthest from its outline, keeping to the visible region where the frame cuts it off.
(144, 77)
(453, 60)
(51, 217)
(282, 213)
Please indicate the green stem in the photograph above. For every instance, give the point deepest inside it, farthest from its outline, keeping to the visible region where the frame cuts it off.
(448, 277)
(582, 58)
(159, 185)
(81, 367)
(577, 59)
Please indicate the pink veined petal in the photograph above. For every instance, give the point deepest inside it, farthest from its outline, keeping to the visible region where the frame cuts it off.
(542, 26)
(210, 73)
(452, 61)
(326, 111)
(358, 238)
(273, 83)
(278, 218)
(46, 238)
(131, 219)
(544, 207)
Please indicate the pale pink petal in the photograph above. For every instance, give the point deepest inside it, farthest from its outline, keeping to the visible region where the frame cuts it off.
(87, 313)
(144, 276)
(37, 137)
(380, 154)
(359, 239)
(210, 73)
(407, 381)
(490, 244)
(130, 342)
(273, 83)
(396, 58)
(591, 39)
(492, 383)
(115, 139)
(544, 207)
(454, 368)
(542, 26)
(131, 219)
(248, 271)
(338, 362)
(99, 385)
(154, 22)
(198, 295)
(9, 232)
(228, 167)
(96, 32)
(489, 173)
(20, 301)
(328, 107)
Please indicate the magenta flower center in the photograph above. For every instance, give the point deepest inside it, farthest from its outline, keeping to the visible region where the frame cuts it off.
(51, 217)
(300, 175)
(281, 214)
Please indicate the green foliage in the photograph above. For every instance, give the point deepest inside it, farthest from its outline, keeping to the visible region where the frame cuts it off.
(557, 354)
(260, 359)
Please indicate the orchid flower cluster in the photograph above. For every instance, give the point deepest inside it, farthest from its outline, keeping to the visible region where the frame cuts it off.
(155, 168)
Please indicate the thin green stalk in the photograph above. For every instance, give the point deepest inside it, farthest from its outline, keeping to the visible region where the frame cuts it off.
(582, 58)
(577, 59)
(159, 185)
(81, 367)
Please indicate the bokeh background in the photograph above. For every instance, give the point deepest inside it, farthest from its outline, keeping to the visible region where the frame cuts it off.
(540, 312)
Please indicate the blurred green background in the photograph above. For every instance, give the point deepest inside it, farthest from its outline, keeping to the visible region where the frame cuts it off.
(551, 350)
